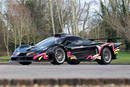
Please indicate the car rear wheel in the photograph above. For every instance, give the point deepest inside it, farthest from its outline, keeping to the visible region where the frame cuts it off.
(59, 56)
(106, 57)
(25, 63)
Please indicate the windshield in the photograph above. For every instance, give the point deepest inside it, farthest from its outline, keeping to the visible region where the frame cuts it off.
(50, 41)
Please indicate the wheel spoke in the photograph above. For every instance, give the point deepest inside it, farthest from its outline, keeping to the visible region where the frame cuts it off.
(60, 55)
(107, 55)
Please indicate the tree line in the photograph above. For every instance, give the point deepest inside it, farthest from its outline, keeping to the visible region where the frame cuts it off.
(25, 21)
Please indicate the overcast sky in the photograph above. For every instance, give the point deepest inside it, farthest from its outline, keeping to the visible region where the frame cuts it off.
(94, 5)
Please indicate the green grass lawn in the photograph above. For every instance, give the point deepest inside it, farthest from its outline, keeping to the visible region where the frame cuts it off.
(124, 57)
(4, 57)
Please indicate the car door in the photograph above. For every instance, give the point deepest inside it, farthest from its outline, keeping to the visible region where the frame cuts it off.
(80, 47)
(90, 48)
(75, 45)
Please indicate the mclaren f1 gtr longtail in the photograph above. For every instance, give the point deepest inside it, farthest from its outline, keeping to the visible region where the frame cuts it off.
(62, 47)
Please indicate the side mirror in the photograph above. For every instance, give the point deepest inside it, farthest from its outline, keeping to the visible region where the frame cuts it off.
(32, 44)
(68, 42)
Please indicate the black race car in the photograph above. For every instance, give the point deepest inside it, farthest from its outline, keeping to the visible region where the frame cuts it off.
(64, 47)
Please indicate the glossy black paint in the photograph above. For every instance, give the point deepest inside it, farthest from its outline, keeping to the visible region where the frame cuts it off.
(79, 47)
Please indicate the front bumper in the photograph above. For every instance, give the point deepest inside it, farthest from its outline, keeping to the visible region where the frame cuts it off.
(21, 59)
(37, 58)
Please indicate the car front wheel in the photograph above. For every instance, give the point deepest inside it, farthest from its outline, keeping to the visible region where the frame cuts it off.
(59, 56)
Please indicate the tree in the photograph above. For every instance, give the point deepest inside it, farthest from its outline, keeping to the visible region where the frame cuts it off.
(52, 17)
(117, 15)
(4, 32)
(28, 21)
(19, 23)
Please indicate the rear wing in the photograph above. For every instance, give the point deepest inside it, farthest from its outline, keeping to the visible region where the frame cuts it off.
(108, 39)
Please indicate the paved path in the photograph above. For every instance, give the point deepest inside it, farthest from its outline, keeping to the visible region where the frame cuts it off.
(64, 71)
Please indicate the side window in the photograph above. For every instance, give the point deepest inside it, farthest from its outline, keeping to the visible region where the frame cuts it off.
(86, 42)
(75, 41)
(59, 41)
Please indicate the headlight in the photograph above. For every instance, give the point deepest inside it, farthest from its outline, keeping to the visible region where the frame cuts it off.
(17, 53)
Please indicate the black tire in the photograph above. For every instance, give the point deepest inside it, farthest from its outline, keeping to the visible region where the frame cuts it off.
(25, 63)
(106, 57)
(73, 62)
(59, 56)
